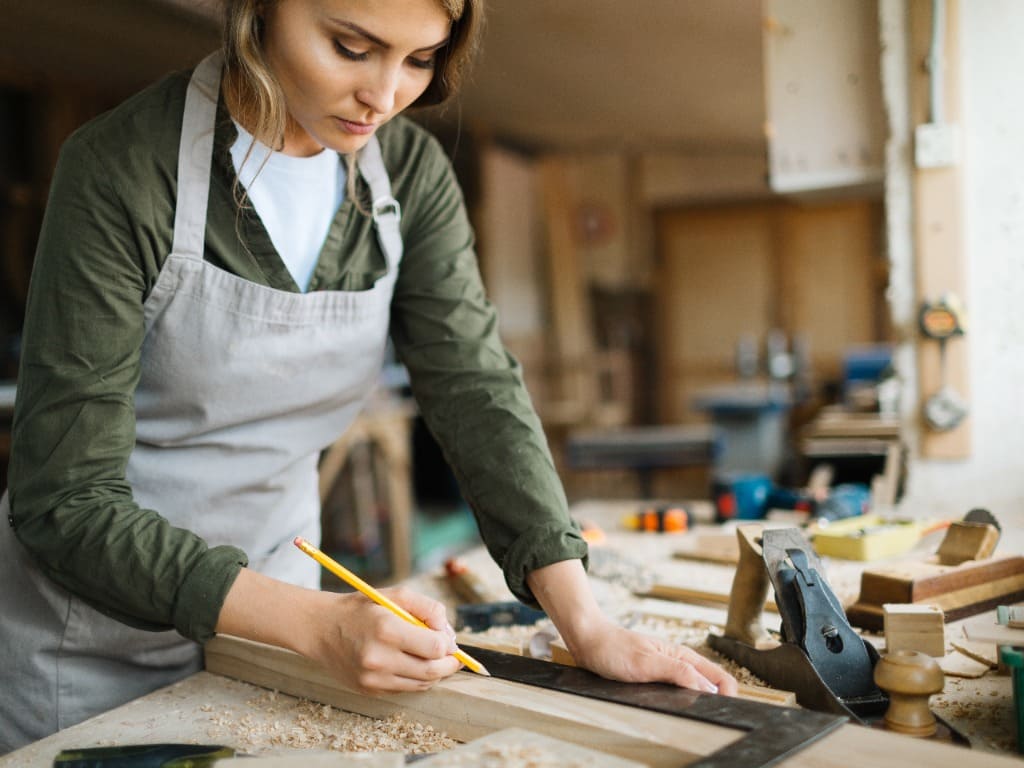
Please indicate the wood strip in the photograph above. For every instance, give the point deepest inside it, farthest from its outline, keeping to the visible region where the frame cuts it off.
(691, 595)
(468, 706)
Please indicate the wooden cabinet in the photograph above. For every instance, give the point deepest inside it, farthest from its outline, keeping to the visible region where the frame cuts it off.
(814, 271)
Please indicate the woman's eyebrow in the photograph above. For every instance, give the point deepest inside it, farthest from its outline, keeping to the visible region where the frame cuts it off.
(377, 41)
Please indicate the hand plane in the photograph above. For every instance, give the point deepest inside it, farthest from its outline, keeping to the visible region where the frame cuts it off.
(819, 656)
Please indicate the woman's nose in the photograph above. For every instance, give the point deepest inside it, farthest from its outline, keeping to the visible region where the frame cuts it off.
(379, 89)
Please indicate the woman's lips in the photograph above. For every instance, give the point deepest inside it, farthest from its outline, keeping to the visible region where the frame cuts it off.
(358, 129)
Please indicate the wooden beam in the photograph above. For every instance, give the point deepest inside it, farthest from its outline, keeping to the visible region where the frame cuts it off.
(938, 226)
(468, 706)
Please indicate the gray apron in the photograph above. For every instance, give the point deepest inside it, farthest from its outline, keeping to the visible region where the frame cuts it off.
(241, 387)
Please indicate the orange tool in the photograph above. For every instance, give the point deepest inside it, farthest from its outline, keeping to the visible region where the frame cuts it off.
(669, 519)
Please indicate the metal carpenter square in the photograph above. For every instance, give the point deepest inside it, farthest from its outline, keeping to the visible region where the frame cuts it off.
(772, 733)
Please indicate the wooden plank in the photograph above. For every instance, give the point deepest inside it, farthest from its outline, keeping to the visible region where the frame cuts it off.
(693, 595)
(468, 706)
(711, 548)
(962, 590)
(571, 331)
(914, 582)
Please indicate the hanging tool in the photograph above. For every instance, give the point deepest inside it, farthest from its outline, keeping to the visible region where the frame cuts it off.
(943, 320)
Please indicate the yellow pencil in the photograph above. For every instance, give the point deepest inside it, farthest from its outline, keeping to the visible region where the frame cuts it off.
(352, 580)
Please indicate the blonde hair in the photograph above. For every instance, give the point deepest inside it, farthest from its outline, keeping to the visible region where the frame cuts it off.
(253, 84)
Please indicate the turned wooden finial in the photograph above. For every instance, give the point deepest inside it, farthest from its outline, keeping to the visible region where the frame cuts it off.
(910, 678)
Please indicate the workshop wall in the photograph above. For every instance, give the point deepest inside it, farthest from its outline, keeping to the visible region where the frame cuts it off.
(991, 55)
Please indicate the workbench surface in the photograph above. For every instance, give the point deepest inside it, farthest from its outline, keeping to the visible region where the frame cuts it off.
(207, 708)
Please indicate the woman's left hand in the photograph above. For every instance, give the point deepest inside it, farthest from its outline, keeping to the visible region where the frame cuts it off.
(613, 651)
(620, 654)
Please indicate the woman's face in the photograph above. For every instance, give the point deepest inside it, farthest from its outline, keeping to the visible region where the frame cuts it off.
(348, 66)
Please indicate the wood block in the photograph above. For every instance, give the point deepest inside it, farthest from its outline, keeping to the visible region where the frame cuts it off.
(960, 591)
(914, 627)
(517, 746)
(967, 541)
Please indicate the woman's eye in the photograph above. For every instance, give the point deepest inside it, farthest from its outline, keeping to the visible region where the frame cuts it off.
(348, 53)
(424, 63)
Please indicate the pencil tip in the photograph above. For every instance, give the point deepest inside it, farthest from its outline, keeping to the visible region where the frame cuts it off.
(483, 671)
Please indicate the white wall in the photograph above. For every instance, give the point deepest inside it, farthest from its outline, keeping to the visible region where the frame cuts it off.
(992, 60)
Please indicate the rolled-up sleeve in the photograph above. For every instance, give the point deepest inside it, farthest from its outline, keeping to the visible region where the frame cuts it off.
(74, 425)
(469, 389)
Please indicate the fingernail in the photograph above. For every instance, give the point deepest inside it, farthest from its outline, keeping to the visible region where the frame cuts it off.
(710, 687)
(450, 630)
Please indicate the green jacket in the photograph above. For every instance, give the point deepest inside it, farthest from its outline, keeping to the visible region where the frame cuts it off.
(107, 230)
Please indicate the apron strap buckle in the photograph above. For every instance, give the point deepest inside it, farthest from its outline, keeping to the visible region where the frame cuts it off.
(386, 210)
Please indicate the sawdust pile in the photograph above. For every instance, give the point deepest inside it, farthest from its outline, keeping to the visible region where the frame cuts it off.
(272, 721)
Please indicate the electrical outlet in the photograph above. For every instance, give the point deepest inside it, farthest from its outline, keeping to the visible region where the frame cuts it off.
(935, 145)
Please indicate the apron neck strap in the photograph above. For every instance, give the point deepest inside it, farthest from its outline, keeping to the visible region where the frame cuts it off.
(195, 156)
(386, 211)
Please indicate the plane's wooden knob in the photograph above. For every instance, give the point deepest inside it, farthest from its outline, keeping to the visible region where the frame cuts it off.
(909, 677)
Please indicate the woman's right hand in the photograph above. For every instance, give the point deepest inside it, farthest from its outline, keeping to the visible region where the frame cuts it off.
(366, 647)
(371, 650)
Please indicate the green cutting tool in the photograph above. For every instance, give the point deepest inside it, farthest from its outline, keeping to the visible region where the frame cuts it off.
(144, 756)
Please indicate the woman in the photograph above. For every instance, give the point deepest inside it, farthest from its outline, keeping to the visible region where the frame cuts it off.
(206, 315)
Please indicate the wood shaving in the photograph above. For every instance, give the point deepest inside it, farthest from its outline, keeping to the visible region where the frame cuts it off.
(272, 721)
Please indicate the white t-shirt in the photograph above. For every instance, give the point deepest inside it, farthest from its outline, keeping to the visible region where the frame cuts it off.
(295, 197)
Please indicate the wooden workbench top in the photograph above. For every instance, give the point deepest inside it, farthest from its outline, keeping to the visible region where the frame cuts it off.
(208, 708)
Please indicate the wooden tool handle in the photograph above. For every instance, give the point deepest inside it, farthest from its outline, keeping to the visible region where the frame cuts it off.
(749, 590)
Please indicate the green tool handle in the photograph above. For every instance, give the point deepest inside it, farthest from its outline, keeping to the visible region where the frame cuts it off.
(144, 756)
